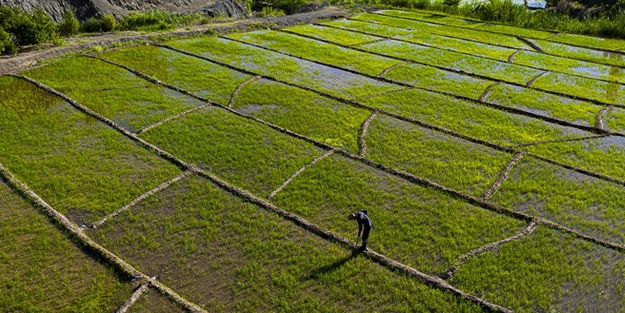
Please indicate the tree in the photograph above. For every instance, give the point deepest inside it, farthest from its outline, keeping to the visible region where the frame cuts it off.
(7, 46)
(69, 25)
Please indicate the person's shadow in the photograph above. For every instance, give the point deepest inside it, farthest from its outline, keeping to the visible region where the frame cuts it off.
(329, 268)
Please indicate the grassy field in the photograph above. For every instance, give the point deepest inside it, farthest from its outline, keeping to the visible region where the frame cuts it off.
(490, 159)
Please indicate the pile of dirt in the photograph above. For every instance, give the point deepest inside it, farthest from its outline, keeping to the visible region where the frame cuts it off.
(85, 9)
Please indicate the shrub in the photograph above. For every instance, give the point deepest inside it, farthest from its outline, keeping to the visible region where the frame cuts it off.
(7, 46)
(69, 25)
(269, 11)
(108, 23)
(27, 28)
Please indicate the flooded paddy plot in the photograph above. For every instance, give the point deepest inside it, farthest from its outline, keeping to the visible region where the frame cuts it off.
(229, 255)
(471, 119)
(433, 18)
(614, 120)
(201, 77)
(292, 70)
(547, 271)
(454, 61)
(80, 166)
(589, 205)
(605, 156)
(154, 302)
(588, 41)
(304, 112)
(581, 53)
(451, 162)
(435, 79)
(585, 88)
(243, 152)
(317, 51)
(133, 108)
(42, 270)
(418, 226)
(331, 34)
(544, 104)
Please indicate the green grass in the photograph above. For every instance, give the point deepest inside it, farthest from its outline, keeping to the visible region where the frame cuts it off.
(604, 155)
(515, 31)
(155, 302)
(331, 34)
(228, 255)
(42, 270)
(285, 68)
(569, 66)
(439, 80)
(201, 77)
(303, 112)
(314, 50)
(110, 91)
(471, 119)
(585, 88)
(416, 225)
(77, 164)
(581, 53)
(434, 18)
(584, 203)
(454, 61)
(547, 272)
(243, 152)
(370, 28)
(615, 120)
(545, 104)
(449, 161)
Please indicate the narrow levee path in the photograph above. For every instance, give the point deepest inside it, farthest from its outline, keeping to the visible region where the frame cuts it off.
(235, 93)
(135, 296)
(301, 170)
(362, 142)
(487, 194)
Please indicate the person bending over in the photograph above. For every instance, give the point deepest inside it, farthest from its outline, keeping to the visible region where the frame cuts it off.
(363, 222)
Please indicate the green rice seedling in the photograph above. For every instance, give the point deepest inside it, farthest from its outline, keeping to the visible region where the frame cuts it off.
(548, 272)
(515, 31)
(586, 204)
(42, 270)
(284, 68)
(604, 156)
(581, 53)
(449, 161)
(448, 37)
(570, 66)
(589, 41)
(439, 80)
(331, 34)
(304, 112)
(615, 120)
(154, 301)
(455, 61)
(545, 104)
(367, 27)
(243, 152)
(471, 119)
(433, 18)
(314, 50)
(416, 225)
(201, 77)
(226, 254)
(130, 101)
(585, 88)
(80, 166)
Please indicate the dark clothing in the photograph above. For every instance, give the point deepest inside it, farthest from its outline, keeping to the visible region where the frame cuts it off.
(364, 221)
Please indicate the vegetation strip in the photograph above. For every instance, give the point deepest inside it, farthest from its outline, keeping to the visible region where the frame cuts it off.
(76, 232)
(173, 117)
(531, 226)
(286, 182)
(560, 140)
(533, 45)
(385, 71)
(135, 296)
(407, 176)
(511, 57)
(437, 282)
(599, 123)
(363, 132)
(504, 175)
(236, 91)
(142, 197)
(597, 102)
(503, 108)
(487, 91)
(370, 42)
(531, 81)
(383, 93)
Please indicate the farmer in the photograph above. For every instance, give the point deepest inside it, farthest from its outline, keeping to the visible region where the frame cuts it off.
(363, 220)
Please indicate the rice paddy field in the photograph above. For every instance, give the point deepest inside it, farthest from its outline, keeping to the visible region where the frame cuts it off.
(215, 173)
